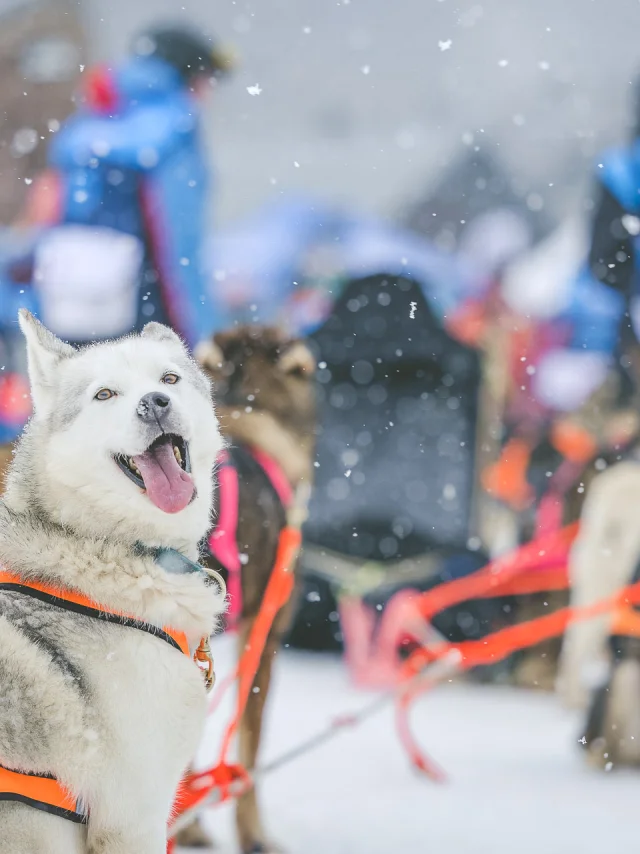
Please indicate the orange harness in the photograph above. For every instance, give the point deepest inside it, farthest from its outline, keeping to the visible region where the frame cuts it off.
(43, 791)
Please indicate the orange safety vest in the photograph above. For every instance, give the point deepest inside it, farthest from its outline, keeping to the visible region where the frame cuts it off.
(43, 791)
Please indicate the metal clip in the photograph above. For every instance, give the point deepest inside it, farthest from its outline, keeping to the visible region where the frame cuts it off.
(203, 658)
(213, 573)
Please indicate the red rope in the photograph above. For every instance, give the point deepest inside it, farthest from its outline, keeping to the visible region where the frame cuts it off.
(546, 553)
(490, 649)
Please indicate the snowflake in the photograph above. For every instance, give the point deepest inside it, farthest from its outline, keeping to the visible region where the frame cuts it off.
(254, 90)
(445, 45)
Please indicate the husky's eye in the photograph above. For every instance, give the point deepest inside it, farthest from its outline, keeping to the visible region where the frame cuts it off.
(170, 378)
(104, 394)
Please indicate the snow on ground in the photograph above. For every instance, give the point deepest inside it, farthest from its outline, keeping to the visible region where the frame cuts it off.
(517, 779)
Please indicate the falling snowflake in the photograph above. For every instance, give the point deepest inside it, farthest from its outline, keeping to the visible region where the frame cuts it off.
(632, 224)
(412, 310)
(254, 90)
(365, 69)
(503, 63)
(445, 45)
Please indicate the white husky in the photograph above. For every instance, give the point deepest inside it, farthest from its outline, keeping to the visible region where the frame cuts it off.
(604, 559)
(114, 466)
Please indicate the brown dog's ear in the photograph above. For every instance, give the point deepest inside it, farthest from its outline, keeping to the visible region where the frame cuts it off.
(209, 355)
(297, 358)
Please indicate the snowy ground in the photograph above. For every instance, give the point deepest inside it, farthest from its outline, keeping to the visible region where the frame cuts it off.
(517, 779)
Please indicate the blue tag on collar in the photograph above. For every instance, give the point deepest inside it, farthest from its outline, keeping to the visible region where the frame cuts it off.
(170, 560)
(176, 563)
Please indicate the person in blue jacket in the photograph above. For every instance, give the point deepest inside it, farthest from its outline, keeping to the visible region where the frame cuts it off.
(132, 186)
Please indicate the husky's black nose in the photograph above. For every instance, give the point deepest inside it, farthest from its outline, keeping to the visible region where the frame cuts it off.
(154, 407)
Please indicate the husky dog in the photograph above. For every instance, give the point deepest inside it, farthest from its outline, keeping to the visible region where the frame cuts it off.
(114, 466)
(604, 559)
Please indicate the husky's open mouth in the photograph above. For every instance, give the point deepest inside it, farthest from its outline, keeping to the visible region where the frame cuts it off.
(163, 471)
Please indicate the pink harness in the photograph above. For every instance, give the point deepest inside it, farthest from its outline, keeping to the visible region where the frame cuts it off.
(223, 540)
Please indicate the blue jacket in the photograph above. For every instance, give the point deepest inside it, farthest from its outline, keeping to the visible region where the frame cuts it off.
(132, 161)
(619, 170)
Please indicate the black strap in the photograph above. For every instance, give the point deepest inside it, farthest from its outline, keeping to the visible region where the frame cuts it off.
(77, 817)
(87, 611)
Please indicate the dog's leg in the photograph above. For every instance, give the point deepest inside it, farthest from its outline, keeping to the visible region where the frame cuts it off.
(128, 816)
(193, 835)
(140, 840)
(619, 741)
(249, 824)
(602, 561)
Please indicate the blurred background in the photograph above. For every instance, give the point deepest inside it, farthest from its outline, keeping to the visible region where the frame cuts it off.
(442, 200)
(374, 102)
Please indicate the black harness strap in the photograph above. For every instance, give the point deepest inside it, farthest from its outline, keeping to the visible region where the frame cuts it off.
(86, 611)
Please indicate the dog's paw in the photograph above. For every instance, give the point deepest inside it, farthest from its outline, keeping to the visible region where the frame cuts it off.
(534, 671)
(263, 848)
(194, 836)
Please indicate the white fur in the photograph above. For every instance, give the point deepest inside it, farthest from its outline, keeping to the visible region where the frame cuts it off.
(602, 561)
(72, 518)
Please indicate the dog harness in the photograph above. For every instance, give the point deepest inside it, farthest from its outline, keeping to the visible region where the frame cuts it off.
(223, 540)
(43, 791)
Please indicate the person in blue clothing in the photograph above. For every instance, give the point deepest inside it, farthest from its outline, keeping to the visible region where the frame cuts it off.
(604, 311)
(132, 187)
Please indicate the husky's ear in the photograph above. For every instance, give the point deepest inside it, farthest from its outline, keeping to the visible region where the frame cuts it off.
(160, 332)
(44, 354)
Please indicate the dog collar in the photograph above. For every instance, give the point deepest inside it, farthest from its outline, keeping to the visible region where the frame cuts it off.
(174, 562)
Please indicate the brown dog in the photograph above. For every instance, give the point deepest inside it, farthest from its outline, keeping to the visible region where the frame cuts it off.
(265, 399)
(6, 455)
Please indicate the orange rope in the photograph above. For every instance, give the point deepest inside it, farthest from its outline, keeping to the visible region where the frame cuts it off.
(500, 576)
(230, 779)
(277, 594)
(492, 648)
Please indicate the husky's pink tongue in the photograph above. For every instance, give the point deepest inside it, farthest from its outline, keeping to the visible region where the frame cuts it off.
(167, 484)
